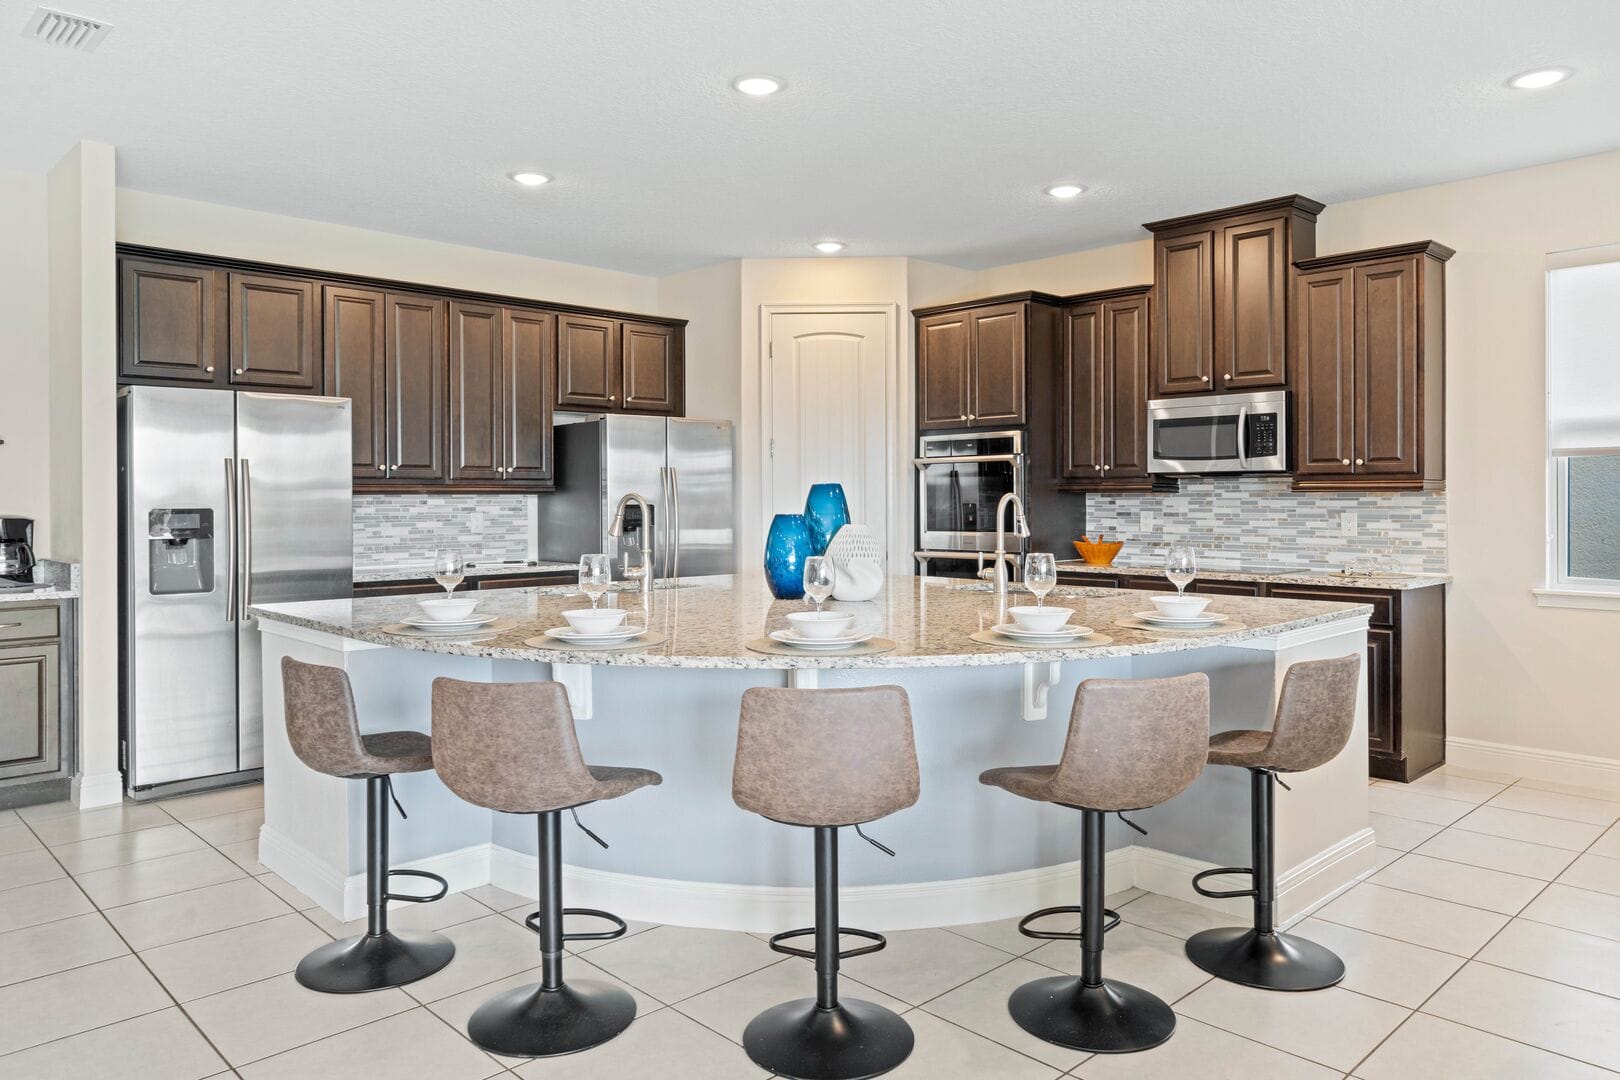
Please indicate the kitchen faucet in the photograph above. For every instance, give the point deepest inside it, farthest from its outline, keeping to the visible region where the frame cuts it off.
(1020, 529)
(644, 571)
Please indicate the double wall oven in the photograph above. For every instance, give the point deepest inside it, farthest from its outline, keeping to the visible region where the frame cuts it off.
(960, 479)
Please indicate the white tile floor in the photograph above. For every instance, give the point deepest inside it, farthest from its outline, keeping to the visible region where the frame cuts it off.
(146, 942)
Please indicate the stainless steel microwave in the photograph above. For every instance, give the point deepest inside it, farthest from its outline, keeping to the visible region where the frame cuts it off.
(1219, 433)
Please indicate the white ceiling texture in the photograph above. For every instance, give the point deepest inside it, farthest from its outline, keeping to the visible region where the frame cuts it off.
(908, 127)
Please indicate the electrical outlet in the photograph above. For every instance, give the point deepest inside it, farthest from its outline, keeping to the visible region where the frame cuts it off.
(1347, 523)
(1147, 522)
(475, 521)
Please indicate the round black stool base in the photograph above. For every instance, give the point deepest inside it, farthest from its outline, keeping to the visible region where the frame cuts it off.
(1268, 961)
(531, 1022)
(1114, 1018)
(853, 1040)
(360, 964)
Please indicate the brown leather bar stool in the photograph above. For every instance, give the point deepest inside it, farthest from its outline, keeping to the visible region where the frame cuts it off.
(1132, 744)
(512, 747)
(1315, 713)
(325, 734)
(824, 759)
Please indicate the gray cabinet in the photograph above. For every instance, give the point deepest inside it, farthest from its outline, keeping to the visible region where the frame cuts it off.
(30, 691)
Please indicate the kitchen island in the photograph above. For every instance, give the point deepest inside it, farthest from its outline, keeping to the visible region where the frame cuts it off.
(683, 853)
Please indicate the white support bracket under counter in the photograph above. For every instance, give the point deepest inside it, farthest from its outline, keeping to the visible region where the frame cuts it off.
(576, 679)
(1038, 682)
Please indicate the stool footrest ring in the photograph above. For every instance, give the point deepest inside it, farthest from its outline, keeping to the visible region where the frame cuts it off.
(619, 930)
(444, 887)
(1111, 921)
(878, 940)
(1222, 894)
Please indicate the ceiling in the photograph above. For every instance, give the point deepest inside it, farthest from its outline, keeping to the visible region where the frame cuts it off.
(925, 128)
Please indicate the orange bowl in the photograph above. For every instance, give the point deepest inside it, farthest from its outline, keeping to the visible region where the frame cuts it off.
(1098, 552)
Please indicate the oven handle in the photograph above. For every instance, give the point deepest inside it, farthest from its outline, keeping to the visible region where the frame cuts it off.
(1242, 437)
(924, 462)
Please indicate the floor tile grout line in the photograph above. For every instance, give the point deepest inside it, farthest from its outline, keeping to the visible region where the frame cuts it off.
(1460, 827)
(1573, 854)
(1459, 903)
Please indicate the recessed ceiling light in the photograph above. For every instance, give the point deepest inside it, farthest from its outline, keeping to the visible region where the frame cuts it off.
(757, 85)
(531, 179)
(1540, 79)
(1064, 191)
(828, 247)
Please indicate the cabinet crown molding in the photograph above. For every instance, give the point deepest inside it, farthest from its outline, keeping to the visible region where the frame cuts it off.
(1124, 292)
(1432, 248)
(1029, 296)
(1299, 204)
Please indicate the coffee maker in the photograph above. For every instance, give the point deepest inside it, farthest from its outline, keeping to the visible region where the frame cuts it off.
(16, 549)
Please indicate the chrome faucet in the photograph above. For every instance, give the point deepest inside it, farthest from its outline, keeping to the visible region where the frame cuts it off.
(645, 571)
(1020, 529)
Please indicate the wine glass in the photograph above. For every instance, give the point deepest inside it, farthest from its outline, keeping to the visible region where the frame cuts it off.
(448, 569)
(1180, 566)
(1040, 574)
(595, 574)
(819, 577)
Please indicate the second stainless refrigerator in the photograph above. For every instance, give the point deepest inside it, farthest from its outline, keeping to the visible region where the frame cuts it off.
(681, 467)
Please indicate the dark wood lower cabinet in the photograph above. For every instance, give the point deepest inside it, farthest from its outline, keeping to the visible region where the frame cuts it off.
(477, 584)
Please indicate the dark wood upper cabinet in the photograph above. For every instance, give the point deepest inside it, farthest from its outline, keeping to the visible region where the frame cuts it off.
(653, 373)
(589, 370)
(353, 355)
(1222, 281)
(526, 394)
(1125, 350)
(1368, 367)
(1103, 393)
(942, 371)
(275, 332)
(996, 352)
(171, 321)
(1081, 389)
(477, 447)
(415, 380)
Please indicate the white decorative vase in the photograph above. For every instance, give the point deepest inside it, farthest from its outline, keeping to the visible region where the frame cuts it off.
(859, 559)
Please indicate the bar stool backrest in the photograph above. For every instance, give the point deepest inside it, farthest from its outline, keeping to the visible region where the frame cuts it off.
(509, 746)
(825, 757)
(1315, 712)
(321, 722)
(1133, 743)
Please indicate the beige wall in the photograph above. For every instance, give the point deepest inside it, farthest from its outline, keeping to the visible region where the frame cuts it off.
(25, 479)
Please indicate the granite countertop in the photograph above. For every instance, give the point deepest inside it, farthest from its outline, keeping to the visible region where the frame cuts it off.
(710, 620)
(61, 581)
(424, 571)
(1272, 574)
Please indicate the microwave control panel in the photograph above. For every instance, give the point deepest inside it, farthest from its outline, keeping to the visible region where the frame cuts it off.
(1262, 435)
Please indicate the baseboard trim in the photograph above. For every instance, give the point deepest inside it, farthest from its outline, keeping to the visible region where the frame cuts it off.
(1533, 763)
(345, 895)
(90, 791)
(464, 869)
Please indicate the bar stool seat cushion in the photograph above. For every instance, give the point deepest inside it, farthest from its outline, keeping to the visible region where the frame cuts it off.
(615, 780)
(1029, 781)
(1244, 748)
(401, 751)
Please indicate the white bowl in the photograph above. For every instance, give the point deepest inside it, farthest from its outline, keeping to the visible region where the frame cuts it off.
(1041, 620)
(594, 620)
(1181, 607)
(820, 624)
(447, 608)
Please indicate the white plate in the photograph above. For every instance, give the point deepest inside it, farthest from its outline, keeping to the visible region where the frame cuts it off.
(422, 622)
(788, 637)
(568, 634)
(1068, 633)
(1210, 619)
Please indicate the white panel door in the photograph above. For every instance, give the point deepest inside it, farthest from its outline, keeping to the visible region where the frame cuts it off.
(827, 410)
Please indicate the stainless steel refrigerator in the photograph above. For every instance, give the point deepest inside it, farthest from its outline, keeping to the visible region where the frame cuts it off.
(226, 499)
(683, 468)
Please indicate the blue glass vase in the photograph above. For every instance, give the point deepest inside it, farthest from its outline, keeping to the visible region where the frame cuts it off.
(787, 545)
(827, 511)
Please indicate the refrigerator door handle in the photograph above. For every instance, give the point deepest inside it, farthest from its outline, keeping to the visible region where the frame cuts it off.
(675, 522)
(247, 540)
(230, 526)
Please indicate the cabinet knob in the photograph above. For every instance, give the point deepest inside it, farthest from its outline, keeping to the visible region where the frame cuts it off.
(1105, 468)
(1205, 378)
(1346, 461)
(964, 416)
(972, 417)
(613, 397)
(239, 371)
(209, 369)
(1227, 376)
(1360, 462)
(382, 468)
(1097, 468)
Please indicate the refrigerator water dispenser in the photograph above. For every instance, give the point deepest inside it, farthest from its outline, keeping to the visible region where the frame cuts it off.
(180, 551)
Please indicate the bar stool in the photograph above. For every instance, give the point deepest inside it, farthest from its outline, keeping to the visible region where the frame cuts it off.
(1132, 744)
(512, 747)
(1315, 713)
(824, 759)
(325, 734)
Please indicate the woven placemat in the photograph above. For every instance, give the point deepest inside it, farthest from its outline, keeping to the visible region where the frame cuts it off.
(1131, 622)
(869, 647)
(642, 641)
(1091, 640)
(499, 626)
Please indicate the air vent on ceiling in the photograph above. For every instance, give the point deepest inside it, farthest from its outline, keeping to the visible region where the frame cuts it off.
(67, 31)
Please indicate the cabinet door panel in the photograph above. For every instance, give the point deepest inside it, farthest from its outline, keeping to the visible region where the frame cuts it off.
(1386, 328)
(649, 367)
(415, 377)
(169, 320)
(1226, 588)
(1250, 321)
(1149, 583)
(1184, 334)
(527, 368)
(1382, 737)
(1324, 373)
(1080, 420)
(30, 719)
(1125, 350)
(275, 332)
(588, 362)
(996, 365)
(475, 392)
(354, 353)
(942, 371)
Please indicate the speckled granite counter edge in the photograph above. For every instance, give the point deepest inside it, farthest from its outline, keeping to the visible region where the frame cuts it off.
(1273, 577)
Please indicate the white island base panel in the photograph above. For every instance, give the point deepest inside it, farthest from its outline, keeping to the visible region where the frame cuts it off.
(683, 853)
